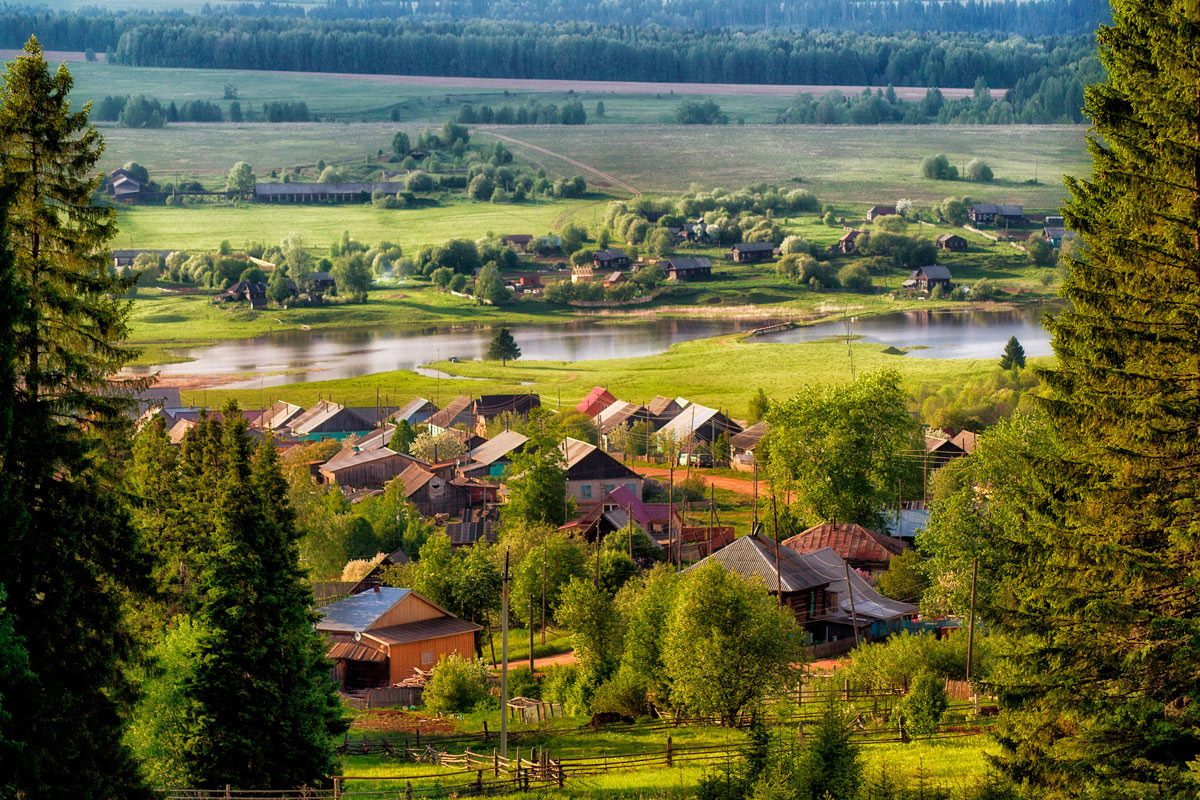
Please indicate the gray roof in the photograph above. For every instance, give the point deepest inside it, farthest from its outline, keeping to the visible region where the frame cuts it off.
(935, 272)
(992, 208)
(912, 522)
(869, 605)
(498, 447)
(688, 263)
(749, 438)
(754, 556)
(751, 247)
(414, 406)
(359, 612)
(609, 255)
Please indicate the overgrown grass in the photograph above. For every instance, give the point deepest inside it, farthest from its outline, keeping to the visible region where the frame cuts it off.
(557, 642)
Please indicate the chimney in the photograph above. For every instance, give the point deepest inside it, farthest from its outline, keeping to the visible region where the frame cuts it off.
(375, 588)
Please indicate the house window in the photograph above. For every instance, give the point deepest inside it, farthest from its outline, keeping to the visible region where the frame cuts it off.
(585, 490)
(428, 657)
(605, 488)
(631, 487)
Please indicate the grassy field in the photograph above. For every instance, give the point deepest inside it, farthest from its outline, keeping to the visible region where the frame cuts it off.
(840, 164)
(203, 227)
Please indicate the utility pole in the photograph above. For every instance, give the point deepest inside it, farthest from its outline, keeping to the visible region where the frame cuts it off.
(504, 662)
(853, 613)
(971, 624)
(778, 578)
(543, 593)
(754, 524)
(531, 633)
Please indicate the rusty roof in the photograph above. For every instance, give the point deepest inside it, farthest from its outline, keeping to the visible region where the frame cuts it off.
(851, 542)
(354, 651)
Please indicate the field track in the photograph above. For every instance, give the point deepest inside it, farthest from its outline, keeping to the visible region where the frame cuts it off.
(591, 87)
(603, 175)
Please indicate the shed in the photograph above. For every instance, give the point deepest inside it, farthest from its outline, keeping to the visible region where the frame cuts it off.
(357, 468)
(490, 459)
(379, 637)
(952, 242)
(431, 493)
(854, 601)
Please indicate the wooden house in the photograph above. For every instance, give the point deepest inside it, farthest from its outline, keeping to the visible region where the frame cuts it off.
(620, 508)
(490, 406)
(800, 584)
(458, 411)
(596, 401)
(851, 601)
(359, 468)
(621, 413)
(992, 214)
(328, 419)
(687, 269)
(615, 279)
(490, 459)
(924, 279)
(278, 417)
(952, 242)
(593, 473)
(662, 410)
(966, 441)
(253, 292)
(880, 211)
(845, 246)
(752, 252)
(942, 450)
(321, 282)
(380, 636)
(519, 242)
(125, 258)
(861, 548)
(432, 493)
(1055, 231)
(415, 411)
(699, 425)
(611, 260)
(122, 187)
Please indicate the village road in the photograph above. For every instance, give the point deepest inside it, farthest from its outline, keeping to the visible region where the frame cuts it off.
(721, 482)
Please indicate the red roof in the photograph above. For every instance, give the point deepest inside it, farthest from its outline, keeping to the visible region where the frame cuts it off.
(596, 401)
(854, 543)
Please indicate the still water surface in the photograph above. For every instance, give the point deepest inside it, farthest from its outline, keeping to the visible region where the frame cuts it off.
(300, 356)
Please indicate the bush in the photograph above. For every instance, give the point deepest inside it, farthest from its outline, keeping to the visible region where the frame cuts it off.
(855, 278)
(523, 683)
(978, 170)
(562, 684)
(939, 168)
(624, 694)
(984, 290)
(925, 704)
(458, 685)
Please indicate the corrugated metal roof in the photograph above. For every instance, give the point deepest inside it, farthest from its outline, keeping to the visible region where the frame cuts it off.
(749, 438)
(456, 408)
(851, 542)
(425, 629)
(690, 420)
(355, 651)
(934, 272)
(361, 611)
(274, 189)
(498, 447)
(868, 604)
(754, 556)
(413, 478)
(414, 406)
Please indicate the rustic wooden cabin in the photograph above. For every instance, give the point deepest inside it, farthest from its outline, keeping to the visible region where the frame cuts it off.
(751, 252)
(952, 242)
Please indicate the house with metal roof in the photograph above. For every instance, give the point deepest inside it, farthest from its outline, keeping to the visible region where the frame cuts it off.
(278, 417)
(379, 637)
(490, 459)
(686, 268)
(748, 252)
(359, 468)
(415, 411)
(661, 522)
(593, 473)
(457, 412)
(596, 401)
(861, 548)
(328, 419)
(924, 279)
(701, 424)
(853, 603)
(432, 493)
(801, 584)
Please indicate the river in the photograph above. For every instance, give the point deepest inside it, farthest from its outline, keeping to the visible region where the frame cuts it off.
(300, 356)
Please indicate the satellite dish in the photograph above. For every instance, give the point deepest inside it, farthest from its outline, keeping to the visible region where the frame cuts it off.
(358, 636)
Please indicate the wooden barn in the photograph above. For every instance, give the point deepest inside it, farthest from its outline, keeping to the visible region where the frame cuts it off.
(952, 242)
(596, 401)
(365, 468)
(431, 493)
(687, 269)
(378, 637)
(880, 211)
(751, 252)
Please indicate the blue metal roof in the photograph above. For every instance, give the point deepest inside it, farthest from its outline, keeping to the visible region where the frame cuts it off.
(359, 612)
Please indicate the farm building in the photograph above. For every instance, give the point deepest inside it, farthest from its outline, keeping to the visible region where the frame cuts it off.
(125, 258)
(615, 279)
(992, 214)
(926, 278)
(415, 411)
(880, 211)
(122, 187)
(952, 242)
(687, 269)
(845, 246)
(596, 401)
(431, 493)
(328, 419)
(853, 602)
(593, 473)
(610, 260)
(252, 292)
(357, 468)
(861, 548)
(321, 281)
(800, 583)
(942, 450)
(966, 441)
(621, 413)
(519, 242)
(662, 410)
(378, 637)
(701, 423)
(457, 412)
(356, 192)
(490, 406)
(490, 459)
(751, 252)
(278, 417)
(582, 273)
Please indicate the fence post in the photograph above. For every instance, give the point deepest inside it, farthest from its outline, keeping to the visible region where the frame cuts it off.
(495, 763)
(668, 749)
(408, 789)
(903, 732)
(800, 732)
(479, 781)
(846, 685)
(337, 789)
(227, 795)
(485, 730)
(561, 777)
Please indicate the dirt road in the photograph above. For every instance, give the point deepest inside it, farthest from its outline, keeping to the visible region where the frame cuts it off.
(745, 487)
(573, 162)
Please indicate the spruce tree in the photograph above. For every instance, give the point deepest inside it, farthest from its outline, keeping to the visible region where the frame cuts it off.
(1014, 355)
(267, 712)
(70, 552)
(504, 347)
(1102, 691)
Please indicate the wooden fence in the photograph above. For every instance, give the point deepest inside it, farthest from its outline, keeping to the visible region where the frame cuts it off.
(386, 696)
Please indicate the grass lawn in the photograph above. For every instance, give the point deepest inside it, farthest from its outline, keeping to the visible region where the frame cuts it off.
(557, 641)
(204, 227)
(868, 164)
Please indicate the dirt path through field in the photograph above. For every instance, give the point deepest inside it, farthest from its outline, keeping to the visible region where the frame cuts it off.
(745, 487)
(604, 175)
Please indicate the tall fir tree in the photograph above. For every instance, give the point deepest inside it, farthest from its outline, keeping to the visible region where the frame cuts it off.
(70, 552)
(1101, 679)
(267, 713)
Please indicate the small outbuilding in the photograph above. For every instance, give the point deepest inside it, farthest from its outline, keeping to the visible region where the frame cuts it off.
(687, 269)
(751, 252)
(952, 242)
(610, 261)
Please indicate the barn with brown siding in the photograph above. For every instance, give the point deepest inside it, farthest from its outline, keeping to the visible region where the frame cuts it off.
(365, 468)
(378, 637)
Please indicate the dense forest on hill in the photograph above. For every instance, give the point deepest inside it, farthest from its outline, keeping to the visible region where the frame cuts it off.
(1034, 18)
(577, 51)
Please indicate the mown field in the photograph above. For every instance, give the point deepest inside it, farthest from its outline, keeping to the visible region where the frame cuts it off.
(205, 226)
(839, 164)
